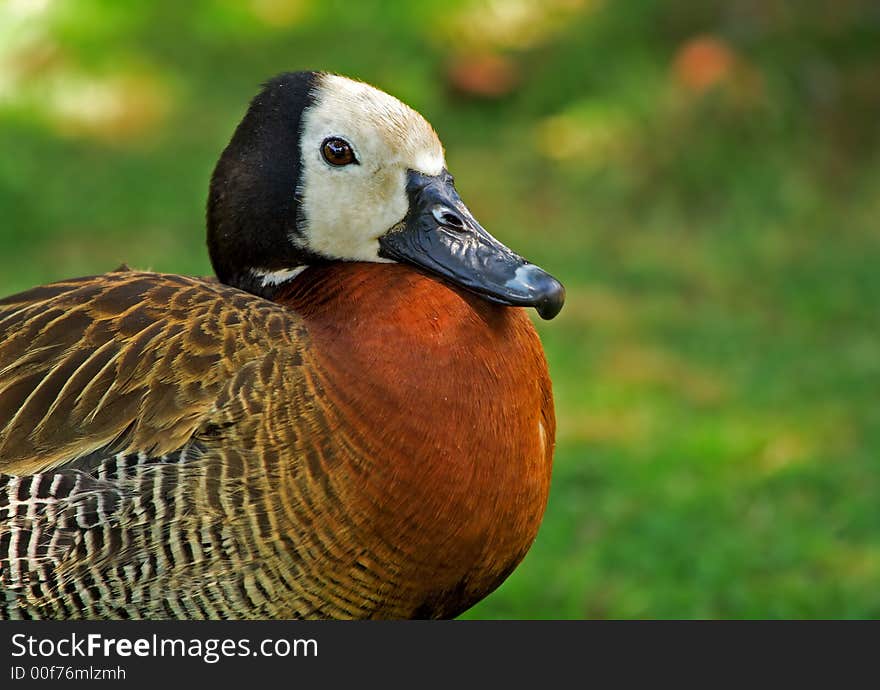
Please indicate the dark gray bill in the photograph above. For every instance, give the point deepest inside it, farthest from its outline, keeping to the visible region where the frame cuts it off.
(440, 235)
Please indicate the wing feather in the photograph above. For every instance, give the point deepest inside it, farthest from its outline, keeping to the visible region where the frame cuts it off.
(131, 361)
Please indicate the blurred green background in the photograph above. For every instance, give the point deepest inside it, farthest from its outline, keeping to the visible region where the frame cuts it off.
(703, 176)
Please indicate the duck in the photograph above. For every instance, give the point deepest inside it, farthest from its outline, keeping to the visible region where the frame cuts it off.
(352, 419)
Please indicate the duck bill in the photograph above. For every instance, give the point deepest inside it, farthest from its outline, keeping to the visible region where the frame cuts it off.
(440, 235)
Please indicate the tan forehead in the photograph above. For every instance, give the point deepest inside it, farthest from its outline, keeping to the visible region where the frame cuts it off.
(403, 128)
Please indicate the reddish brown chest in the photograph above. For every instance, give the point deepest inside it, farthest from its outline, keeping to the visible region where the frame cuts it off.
(442, 408)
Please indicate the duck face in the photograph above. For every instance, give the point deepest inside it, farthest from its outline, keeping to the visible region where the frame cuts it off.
(325, 168)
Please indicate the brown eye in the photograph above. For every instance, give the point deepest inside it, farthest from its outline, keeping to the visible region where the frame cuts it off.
(337, 151)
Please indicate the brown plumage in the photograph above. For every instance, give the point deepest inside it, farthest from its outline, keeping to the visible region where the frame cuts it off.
(340, 454)
(371, 442)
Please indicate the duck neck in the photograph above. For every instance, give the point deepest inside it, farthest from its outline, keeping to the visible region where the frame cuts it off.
(265, 282)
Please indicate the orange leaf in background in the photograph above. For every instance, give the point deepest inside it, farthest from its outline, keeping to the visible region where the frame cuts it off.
(486, 75)
(703, 62)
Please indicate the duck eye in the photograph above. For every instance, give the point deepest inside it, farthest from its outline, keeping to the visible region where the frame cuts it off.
(337, 151)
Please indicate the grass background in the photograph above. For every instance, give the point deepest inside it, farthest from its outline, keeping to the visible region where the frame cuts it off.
(703, 176)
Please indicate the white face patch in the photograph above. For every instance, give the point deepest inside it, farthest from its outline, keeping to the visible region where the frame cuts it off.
(347, 208)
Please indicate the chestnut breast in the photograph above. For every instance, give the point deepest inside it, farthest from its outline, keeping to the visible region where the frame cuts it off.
(441, 406)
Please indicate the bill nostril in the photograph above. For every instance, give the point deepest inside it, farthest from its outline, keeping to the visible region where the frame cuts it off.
(453, 221)
(447, 217)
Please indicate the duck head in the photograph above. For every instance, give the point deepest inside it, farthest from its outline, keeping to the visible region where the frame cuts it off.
(324, 168)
